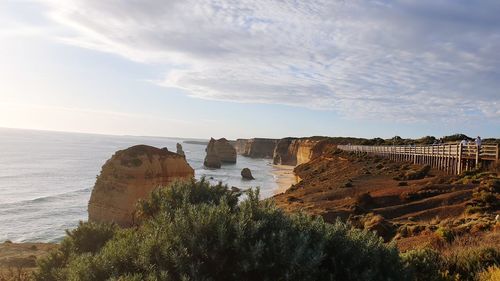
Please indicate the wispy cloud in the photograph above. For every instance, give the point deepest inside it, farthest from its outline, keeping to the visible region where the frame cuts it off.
(407, 59)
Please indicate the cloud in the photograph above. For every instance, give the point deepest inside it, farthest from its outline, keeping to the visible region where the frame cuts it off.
(408, 60)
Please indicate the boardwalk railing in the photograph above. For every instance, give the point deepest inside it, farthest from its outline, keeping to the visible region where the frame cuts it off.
(451, 158)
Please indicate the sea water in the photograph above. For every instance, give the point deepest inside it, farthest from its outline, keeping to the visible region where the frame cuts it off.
(46, 177)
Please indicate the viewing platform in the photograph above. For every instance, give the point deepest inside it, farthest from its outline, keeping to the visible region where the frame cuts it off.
(450, 158)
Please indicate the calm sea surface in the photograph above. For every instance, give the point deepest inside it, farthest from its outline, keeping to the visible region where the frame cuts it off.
(46, 177)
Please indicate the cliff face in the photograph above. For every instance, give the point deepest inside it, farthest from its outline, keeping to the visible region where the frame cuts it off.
(225, 151)
(256, 147)
(130, 175)
(293, 151)
(212, 159)
(241, 146)
(283, 152)
(218, 152)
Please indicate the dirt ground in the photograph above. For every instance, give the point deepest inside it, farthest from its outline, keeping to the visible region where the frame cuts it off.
(400, 201)
(22, 255)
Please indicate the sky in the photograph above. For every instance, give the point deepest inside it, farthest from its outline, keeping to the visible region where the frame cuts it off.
(260, 68)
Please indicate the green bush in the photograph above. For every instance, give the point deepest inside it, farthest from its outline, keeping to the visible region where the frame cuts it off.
(424, 264)
(87, 239)
(194, 231)
(469, 262)
(445, 233)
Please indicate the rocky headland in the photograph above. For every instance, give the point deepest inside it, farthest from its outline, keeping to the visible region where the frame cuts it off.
(368, 191)
(256, 147)
(130, 175)
(296, 151)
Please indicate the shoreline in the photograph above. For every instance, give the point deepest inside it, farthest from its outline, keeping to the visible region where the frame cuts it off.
(284, 177)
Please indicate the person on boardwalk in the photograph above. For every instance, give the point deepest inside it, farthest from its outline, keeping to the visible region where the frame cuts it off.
(464, 142)
(478, 141)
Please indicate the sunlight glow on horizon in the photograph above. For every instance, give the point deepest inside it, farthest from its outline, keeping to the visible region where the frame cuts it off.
(194, 69)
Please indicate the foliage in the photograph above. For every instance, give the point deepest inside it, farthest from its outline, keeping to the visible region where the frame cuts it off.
(445, 233)
(414, 174)
(469, 262)
(465, 264)
(15, 274)
(490, 274)
(194, 231)
(87, 239)
(424, 264)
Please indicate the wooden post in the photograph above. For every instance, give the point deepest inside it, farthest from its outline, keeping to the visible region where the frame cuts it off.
(478, 150)
(459, 159)
(498, 155)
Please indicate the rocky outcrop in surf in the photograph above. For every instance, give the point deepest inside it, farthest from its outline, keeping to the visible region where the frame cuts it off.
(256, 147)
(226, 152)
(218, 152)
(212, 159)
(130, 175)
(179, 150)
(247, 174)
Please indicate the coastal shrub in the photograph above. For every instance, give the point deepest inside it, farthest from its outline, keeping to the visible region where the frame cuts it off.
(424, 264)
(167, 200)
(418, 174)
(445, 233)
(87, 239)
(464, 263)
(15, 274)
(490, 274)
(468, 263)
(196, 231)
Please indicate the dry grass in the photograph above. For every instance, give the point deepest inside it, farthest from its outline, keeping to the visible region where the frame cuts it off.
(15, 274)
(491, 274)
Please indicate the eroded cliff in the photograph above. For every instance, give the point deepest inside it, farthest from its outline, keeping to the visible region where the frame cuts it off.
(296, 151)
(130, 175)
(256, 147)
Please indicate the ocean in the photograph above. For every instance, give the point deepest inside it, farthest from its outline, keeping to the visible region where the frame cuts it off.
(46, 177)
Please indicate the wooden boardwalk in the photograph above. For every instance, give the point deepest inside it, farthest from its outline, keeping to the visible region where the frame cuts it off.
(451, 158)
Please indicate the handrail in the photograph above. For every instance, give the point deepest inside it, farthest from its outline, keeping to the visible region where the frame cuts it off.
(442, 156)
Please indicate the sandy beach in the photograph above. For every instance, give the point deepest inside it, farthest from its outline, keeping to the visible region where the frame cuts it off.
(284, 177)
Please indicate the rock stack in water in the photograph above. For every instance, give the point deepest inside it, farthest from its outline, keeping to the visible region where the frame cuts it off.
(226, 152)
(212, 159)
(218, 152)
(247, 174)
(180, 151)
(130, 175)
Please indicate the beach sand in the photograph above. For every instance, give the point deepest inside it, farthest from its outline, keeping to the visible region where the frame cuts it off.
(284, 177)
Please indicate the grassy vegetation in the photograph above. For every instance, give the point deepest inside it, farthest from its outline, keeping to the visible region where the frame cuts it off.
(464, 264)
(198, 231)
(195, 231)
(397, 140)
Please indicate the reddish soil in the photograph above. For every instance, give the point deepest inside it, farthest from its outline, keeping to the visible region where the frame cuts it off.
(335, 185)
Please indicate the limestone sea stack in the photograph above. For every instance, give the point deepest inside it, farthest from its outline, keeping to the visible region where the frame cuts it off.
(212, 159)
(179, 150)
(218, 152)
(226, 151)
(130, 175)
(247, 174)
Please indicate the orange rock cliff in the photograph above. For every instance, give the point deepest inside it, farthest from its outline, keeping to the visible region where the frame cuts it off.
(130, 175)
